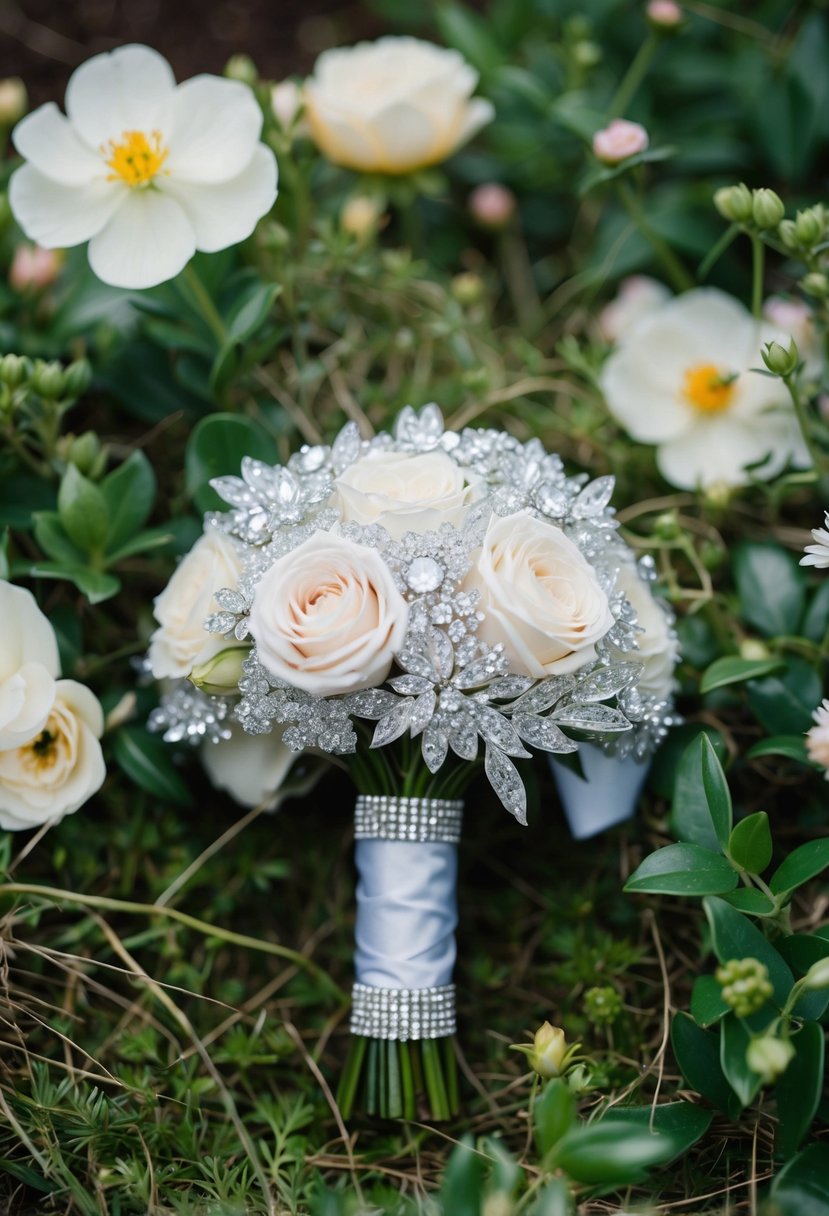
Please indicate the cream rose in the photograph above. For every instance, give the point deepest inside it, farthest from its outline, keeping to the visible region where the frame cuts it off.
(29, 666)
(540, 596)
(657, 650)
(251, 768)
(392, 106)
(180, 642)
(60, 767)
(327, 617)
(403, 492)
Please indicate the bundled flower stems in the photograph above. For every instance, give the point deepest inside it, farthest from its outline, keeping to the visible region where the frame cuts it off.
(415, 603)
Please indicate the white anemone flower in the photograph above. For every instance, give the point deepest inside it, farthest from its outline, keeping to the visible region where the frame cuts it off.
(818, 553)
(147, 171)
(682, 378)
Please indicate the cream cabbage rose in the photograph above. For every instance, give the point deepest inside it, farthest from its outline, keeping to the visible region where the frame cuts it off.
(658, 648)
(404, 492)
(181, 641)
(327, 617)
(29, 666)
(681, 378)
(251, 768)
(392, 106)
(146, 171)
(59, 767)
(540, 597)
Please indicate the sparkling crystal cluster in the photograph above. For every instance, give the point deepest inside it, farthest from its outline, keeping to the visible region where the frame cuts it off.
(449, 688)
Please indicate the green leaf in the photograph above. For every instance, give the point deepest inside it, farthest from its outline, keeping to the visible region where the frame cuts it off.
(468, 33)
(553, 1200)
(716, 789)
(463, 1180)
(697, 1053)
(804, 863)
(733, 670)
(147, 761)
(553, 1115)
(153, 538)
(250, 313)
(749, 900)
(816, 619)
(94, 584)
(771, 586)
(801, 950)
(129, 491)
(750, 845)
(683, 869)
(50, 535)
(83, 511)
(784, 703)
(802, 1186)
(690, 814)
(707, 1005)
(684, 1122)
(611, 1152)
(734, 936)
(734, 1041)
(793, 746)
(798, 1091)
(21, 496)
(506, 1172)
(216, 448)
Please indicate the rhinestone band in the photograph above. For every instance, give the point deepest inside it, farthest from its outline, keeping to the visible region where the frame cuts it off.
(381, 817)
(403, 1013)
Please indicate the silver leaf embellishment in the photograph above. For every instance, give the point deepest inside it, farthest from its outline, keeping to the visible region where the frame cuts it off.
(505, 780)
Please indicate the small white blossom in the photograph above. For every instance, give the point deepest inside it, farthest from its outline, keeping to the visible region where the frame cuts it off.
(818, 553)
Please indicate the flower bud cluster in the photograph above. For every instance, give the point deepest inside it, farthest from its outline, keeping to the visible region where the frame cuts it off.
(769, 1057)
(761, 208)
(745, 985)
(602, 1006)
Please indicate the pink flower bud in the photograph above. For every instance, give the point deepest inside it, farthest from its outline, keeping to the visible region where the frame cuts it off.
(34, 268)
(619, 140)
(492, 205)
(664, 13)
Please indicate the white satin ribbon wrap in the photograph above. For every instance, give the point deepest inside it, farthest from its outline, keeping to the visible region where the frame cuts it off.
(605, 797)
(407, 913)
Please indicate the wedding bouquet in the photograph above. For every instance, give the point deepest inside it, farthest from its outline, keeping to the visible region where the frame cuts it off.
(467, 597)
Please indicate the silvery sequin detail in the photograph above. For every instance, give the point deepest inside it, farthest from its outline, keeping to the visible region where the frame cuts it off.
(419, 820)
(403, 1013)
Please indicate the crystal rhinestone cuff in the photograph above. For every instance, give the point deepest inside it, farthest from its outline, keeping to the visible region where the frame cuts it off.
(421, 820)
(403, 1013)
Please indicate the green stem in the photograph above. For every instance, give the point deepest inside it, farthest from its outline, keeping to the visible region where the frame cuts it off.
(679, 277)
(204, 300)
(634, 76)
(351, 1074)
(818, 458)
(407, 1080)
(758, 252)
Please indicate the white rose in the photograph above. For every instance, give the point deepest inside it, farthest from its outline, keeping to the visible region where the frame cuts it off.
(658, 650)
(327, 617)
(251, 768)
(541, 597)
(392, 106)
(29, 666)
(60, 767)
(181, 641)
(403, 492)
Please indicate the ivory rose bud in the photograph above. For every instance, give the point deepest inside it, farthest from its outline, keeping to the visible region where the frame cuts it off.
(619, 140)
(29, 666)
(392, 106)
(181, 641)
(251, 768)
(658, 650)
(327, 617)
(286, 102)
(404, 492)
(540, 596)
(664, 14)
(59, 767)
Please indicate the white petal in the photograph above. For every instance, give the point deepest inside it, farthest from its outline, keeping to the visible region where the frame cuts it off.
(719, 448)
(124, 90)
(476, 115)
(214, 129)
(26, 701)
(342, 141)
(641, 388)
(250, 767)
(28, 636)
(49, 142)
(57, 216)
(148, 241)
(83, 703)
(408, 138)
(226, 213)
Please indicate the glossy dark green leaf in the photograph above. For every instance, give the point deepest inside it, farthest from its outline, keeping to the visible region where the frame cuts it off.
(142, 542)
(750, 845)
(129, 491)
(683, 869)
(792, 746)
(684, 1122)
(802, 1186)
(749, 900)
(771, 586)
(801, 950)
(249, 314)
(147, 761)
(697, 1053)
(94, 584)
(799, 1089)
(815, 622)
(735, 936)
(734, 1041)
(707, 1005)
(784, 703)
(733, 670)
(612, 1152)
(691, 819)
(506, 1172)
(553, 1114)
(553, 1200)
(716, 789)
(463, 1180)
(216, 448)
(802, 864)
(52, 538)
(83, 511)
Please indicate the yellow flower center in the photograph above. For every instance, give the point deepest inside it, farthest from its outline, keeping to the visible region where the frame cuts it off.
(137, 158)
(708, 389)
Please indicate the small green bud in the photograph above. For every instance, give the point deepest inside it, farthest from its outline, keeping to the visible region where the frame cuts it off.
(587, 54)
(753, 648)
(769, 1057)
(717, 495)
(48, 379)
(476, 379)
(815, 284)
(745, 985)
(767, 209)
(787, 231)
(734, 203)
(467, 288)
(712, 554)
(220, 675)
(275, 236)
(666, 526)
(549, 1054)
(14, 369)
(808, 226)
(778, 360)
(578, 1079)
(85, 452)
(404, 340)
(241, 67)
(602, 1006)
(818, 974)
(77, 378)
